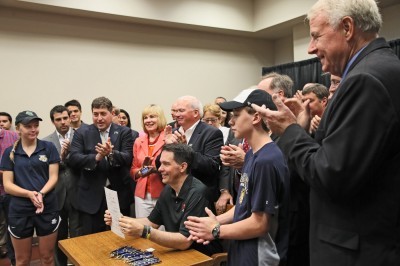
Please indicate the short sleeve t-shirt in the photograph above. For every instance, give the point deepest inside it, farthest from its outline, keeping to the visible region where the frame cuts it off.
(31, 173)
(264, 187)
(172, 211)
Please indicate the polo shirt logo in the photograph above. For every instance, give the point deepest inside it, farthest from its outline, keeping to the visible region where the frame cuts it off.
(183, 207)
(43, 158)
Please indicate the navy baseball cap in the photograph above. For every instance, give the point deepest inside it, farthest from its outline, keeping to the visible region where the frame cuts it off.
(25, 117)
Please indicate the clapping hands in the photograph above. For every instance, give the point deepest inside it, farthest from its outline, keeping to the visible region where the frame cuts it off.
(173, 136)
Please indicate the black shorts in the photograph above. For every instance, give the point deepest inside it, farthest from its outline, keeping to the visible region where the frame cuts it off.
(44, 224)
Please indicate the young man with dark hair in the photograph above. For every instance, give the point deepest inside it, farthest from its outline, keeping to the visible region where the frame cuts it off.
(5, 120)
(67, 179)
(258, 224)
(75, 113)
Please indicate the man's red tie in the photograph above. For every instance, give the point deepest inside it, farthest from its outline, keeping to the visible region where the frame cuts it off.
(246, 146)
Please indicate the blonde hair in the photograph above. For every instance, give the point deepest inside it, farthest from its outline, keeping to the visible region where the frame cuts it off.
(214, 109)
(13, 150)
(158, 111)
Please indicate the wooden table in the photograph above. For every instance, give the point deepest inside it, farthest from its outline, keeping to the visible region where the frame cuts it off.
(95, 249)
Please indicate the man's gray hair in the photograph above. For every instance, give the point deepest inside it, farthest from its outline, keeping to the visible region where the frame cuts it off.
(194, 103)
(365, 13)
(280, 82)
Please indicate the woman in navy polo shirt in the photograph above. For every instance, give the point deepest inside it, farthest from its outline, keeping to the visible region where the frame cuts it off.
(30, 172)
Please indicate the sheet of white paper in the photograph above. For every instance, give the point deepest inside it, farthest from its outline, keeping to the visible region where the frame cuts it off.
(113, 208)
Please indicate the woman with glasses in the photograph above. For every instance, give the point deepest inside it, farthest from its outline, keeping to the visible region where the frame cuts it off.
(212, 116)
(225, 116)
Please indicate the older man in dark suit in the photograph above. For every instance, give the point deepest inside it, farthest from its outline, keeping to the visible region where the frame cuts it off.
(67, 179)
(103, 154)
(352, 165)
(205, 140)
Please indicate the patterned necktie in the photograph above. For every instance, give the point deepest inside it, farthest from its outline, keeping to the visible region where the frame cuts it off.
(246, 146)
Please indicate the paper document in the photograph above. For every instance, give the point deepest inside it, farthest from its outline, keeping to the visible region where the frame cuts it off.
(113, 208)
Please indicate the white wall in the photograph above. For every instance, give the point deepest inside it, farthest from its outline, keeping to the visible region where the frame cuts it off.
(283, 50)
(225, 14)
(301, 39)
(269, 13)
(50, 59)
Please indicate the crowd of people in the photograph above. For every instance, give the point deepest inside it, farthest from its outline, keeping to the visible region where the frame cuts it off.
(312, 175)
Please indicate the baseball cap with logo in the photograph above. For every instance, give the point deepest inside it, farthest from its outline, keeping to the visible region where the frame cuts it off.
(25, 117)
(247, 97)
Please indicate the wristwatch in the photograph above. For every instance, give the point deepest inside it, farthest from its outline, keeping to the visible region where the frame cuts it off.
(215, 231)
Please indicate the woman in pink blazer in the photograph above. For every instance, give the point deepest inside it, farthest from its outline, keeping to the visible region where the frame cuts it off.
(145, 150)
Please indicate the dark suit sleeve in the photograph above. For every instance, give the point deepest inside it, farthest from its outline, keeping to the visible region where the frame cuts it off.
(123, 155)
(78, 157)
(343, 161)
(225, 178)
(135, 135)
(206, 161)
(227, 173)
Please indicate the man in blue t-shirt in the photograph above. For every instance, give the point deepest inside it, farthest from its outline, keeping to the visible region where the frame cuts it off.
(258, 224)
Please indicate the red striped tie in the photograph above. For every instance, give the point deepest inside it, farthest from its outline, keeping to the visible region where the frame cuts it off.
(246, 146)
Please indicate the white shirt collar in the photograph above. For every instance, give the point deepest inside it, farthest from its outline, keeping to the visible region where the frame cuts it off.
(67, 135)
(105, 134)
(189, 132)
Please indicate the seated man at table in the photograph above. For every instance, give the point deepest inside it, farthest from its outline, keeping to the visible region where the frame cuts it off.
(183, 196)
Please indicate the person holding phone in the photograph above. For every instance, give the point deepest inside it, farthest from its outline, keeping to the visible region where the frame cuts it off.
(143, 170)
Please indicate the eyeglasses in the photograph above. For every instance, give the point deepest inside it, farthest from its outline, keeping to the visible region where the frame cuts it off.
(208, 120)
(335, 82)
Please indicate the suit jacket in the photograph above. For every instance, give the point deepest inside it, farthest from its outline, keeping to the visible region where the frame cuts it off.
(352, 166)
(67, 178)
(93, 175)
(135, 135)
(206, 142)
(140, 151)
